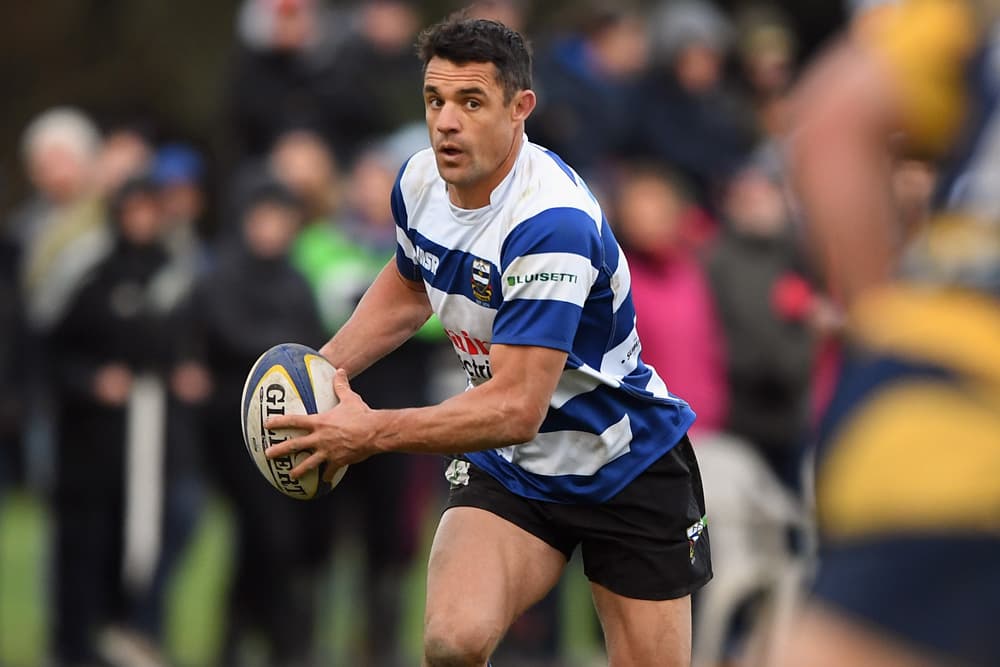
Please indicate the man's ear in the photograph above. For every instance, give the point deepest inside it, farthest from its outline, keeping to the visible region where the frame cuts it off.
(522, 105)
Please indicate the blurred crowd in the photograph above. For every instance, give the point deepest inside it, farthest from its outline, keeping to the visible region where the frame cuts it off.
(144, 276)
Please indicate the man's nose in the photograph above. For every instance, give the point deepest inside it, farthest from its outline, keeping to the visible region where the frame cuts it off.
(448, 119)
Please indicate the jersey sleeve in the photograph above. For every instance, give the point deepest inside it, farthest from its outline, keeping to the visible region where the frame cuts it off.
(405, 252)
(926, 45)
(548, 265)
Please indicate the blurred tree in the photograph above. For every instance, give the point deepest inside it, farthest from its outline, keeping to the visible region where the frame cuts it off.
(165, 60)
(118, 59)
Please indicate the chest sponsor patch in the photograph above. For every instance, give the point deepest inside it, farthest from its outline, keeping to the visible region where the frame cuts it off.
(542, 277)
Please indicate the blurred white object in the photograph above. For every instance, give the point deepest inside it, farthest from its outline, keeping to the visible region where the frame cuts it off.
(145, 446)
(750, 516)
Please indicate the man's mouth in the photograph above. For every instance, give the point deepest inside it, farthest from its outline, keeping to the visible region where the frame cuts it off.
(449, 150)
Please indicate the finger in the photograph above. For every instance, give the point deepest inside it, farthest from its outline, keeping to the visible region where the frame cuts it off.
(288, 447)
(341, 385)
(305, 466)
(289, 421)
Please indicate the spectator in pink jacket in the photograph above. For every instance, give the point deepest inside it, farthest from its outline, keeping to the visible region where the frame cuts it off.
(676, 317)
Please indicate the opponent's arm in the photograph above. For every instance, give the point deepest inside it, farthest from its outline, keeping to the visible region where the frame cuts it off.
(840, 162)
(505, 410)
(899, 76)
(391, 310)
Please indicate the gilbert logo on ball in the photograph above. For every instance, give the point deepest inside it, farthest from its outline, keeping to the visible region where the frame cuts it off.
(287, 379)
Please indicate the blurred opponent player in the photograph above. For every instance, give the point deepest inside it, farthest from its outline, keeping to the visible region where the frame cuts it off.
(908, 480)
(567, 437)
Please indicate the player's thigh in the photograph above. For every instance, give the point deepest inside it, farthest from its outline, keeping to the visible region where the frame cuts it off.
(645, 551)
(638, 633)
(483, 572)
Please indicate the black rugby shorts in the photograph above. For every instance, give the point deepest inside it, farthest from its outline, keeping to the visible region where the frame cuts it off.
(649, 542)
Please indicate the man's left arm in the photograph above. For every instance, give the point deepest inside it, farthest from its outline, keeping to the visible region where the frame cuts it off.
(506, 410)
(546, 274)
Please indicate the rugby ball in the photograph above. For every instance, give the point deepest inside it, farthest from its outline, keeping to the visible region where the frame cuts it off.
(288, 379)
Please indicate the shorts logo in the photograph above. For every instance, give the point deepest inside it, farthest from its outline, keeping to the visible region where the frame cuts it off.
(482, 288)
(694, 532)
(457, 473)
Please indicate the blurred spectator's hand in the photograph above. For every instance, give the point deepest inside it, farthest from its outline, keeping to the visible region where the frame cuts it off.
(191, 382)
(112, 384)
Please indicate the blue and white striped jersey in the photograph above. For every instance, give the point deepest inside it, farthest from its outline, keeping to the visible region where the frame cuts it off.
(540, 266)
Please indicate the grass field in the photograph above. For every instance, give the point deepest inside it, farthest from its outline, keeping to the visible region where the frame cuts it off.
(197, 593)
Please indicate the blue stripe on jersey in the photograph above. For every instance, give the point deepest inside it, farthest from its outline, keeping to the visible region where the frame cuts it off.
(598, 409)
(448, 264)
(406, 267)
(562, 165)
(593, 412)
(655, 432)
(454, 273)
(624, 322)
(546, 323)
(636, 384)
(594, 330)
(567, 229)
(612, 253)
(639, 379)
(396, 199)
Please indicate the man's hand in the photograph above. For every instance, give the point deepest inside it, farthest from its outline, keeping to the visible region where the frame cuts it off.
(340, 436)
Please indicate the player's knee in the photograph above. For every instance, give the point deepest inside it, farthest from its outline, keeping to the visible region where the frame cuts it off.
(458, 644)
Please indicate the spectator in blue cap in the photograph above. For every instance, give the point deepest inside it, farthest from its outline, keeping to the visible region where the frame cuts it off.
(178, 170)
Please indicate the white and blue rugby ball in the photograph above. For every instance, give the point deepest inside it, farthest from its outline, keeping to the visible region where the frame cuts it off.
(288, 379)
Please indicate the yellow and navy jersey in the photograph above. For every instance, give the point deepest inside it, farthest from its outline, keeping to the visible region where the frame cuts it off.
(943, 61)
(908, 467)
(908, 477)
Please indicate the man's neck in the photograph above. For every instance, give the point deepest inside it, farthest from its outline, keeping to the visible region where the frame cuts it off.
(478, 195)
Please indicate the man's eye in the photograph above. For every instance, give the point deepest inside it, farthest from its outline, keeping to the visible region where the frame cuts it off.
(434, 103)
(473, 104)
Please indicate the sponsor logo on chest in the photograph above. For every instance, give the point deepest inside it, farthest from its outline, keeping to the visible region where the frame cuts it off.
(542, 277)
(474, 353)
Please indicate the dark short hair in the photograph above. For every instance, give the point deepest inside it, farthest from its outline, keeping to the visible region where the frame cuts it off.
(463, 40)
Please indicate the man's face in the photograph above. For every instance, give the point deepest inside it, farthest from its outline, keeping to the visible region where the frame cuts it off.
(472, 129)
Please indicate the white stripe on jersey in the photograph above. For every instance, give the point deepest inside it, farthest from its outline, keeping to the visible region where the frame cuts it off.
(621, 282)
(404, 242)
(560, 276)
(656, 384)
(571, 452)
(573, 383)
(467, 312)
(624, 357)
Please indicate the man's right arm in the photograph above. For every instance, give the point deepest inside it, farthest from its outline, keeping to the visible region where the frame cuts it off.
(390, 312)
